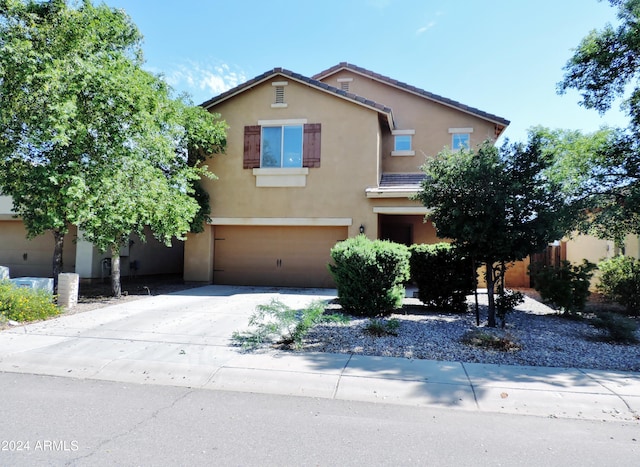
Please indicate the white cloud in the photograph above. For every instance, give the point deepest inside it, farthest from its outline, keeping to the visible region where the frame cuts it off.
(425, 28)
(204, 80)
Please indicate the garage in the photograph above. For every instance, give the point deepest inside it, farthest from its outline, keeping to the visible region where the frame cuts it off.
(286, 256)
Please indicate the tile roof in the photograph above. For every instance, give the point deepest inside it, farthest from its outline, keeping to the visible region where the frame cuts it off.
(310, 81)
(412, 89)
(402, 180)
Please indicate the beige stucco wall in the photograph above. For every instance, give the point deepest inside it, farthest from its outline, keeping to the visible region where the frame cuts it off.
(349, 159)
(198, 256)
(593, 249)
(430, 120)
(32, 258)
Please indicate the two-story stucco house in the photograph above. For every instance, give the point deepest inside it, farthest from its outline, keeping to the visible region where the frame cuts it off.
(312, 161)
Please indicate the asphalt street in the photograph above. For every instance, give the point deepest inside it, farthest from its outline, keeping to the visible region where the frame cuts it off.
(64, 421)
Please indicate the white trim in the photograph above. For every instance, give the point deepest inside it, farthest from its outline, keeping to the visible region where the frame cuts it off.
(279, 83)
(403, 132)
(403, 153)
(279, 106)
(285, 121)
(344, 80)
(281, 177)
(460, 130)
(410, 210)
(391, 192)
(281, 171)
(285, 221)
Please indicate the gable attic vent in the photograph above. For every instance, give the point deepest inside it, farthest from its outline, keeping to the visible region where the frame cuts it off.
(279, 93)
(344, 83)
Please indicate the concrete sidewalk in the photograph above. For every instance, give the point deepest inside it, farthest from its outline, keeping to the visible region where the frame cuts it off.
(182, 339)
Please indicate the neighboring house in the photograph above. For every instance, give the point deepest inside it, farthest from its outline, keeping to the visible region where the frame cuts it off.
(33, 258)
(312, 161)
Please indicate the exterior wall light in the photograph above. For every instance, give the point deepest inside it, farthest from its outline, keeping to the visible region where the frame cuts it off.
(361, 228)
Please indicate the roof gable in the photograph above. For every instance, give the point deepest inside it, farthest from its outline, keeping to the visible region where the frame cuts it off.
(319, 85)
(411, 89)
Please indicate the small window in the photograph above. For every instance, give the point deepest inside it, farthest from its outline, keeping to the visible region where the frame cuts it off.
(281, 146)
(460, 141)
(402, 143)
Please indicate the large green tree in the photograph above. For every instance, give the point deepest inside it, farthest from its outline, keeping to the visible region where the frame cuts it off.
(600, 175)
(90, 138)
(605, 173)
(495, 204)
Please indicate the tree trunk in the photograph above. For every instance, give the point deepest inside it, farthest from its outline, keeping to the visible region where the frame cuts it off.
(491, 309)
(58, 239)
(116, 288)
(474, 271)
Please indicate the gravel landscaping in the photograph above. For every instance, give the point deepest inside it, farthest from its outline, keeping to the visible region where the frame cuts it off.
(543, 338)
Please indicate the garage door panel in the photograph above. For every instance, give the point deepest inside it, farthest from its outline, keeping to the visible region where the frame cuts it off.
(275, 256)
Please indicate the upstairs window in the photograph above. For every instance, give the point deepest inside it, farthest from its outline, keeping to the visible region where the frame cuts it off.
(460, 138)
(403, 143)
(281, 146)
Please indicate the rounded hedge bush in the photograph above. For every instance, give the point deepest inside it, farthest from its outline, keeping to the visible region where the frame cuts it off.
(443, 275)
(369, 275)
(620, 282)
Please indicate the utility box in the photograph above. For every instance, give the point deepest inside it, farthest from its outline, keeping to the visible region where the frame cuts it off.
(43, 283)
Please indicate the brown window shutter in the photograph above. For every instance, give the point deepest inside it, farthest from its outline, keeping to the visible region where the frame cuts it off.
(311, 145)
(251, 158)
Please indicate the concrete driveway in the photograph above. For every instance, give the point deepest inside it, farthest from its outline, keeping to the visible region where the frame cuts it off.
(182, 339)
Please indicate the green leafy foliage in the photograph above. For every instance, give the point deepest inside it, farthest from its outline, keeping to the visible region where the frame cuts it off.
(564, 287)
(619, 328)
(25, 304)
(496, 205)
(278, 322)
(599, 174)
(506, 301)
(382, 327)
(88, 137)
(604, 67)
(443, 274)
(370, 275)
(620, 282)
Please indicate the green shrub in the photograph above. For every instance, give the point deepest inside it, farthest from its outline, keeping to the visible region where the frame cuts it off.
(565, 287)
(276, 321)
(25, 304)
(620, 282)
(506, 302)
(369, 275)
(381, 327)
(443, 275)
(619, 328)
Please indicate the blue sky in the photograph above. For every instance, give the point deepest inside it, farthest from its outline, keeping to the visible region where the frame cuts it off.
(504, 57)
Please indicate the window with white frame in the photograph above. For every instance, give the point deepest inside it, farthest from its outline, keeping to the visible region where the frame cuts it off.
(281, 146)
(403, 143)
(460, 138)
